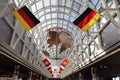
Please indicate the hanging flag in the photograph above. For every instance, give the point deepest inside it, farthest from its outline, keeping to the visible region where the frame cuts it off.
(50, 69)
(56, 72)
(52, 75)
(65, 62)
(87, 19)
(61, 69)
(46, 62)
(26, 18)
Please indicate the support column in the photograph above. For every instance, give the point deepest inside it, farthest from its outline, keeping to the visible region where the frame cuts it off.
(30, 76)
(41, 78)
(80, 76)
(16, 72)
(37, 77)
(94, 73)
(69, 78)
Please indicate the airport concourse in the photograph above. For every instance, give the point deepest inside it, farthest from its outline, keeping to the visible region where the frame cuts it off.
(59, 39)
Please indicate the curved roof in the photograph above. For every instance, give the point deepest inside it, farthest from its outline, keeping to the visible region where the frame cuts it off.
(58, 15)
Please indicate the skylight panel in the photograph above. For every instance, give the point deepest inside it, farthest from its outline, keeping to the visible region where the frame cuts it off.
(33, 8)
(69, 3)
(66, 17)
(46, 2)
(48, 16)
(54, 2)
(76, 6)
(39, 5)
(62, 2)
(54, 15)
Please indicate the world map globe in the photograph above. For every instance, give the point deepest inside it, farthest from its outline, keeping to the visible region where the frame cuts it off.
(60, 44)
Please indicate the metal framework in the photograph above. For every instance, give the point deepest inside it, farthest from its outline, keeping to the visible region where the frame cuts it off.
(61, 13)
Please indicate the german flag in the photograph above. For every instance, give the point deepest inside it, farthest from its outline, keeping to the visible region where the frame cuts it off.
(61, 69)
(50, 69)
(46, 62)
(87, 19)
(65, 62)
(26, 18)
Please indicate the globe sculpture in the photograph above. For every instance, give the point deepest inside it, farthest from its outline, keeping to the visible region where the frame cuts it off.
(59, 44)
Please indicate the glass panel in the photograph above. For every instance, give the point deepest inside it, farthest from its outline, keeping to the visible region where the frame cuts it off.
(84, 1)
(49, 22)
(48, 16)
(61, 2)
(49, 26)
(76, 6)
(67, 11)
(43, 24)
(59, 21)
(54, 2)
(54, 9)
(60, 15)
(20, 0)
(65, 27)
(47, 10)
(66, 17)
(69, 3)
(69, 29)
(54, 15)
(33, 8)
(65, 22)
(46, 2)
(93, 1)
(41, 13)
(16, 2)
(54, 25)
(39, 5)
(42, 18)
(54, 21)
(73, 14)
(71, 19)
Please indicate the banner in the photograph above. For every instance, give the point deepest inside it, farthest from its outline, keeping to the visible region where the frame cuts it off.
(26, 18)
(87, 19)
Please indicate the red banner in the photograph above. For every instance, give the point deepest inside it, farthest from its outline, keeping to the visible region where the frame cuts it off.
(65, 62)
(46, 62)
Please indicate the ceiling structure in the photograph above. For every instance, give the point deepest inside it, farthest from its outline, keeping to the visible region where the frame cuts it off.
(56, 36)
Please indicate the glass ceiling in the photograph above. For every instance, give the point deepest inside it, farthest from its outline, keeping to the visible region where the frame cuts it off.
(58, 15)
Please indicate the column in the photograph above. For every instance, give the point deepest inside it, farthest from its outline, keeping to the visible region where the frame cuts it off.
(41, 78)
(94, 73)
(30, 76)
(69, 78)
(16, 72)
(80, 76)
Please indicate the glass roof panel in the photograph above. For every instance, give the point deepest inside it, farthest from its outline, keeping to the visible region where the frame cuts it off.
(39, 5)
(76, 6)
(54, 2)
(33, 8)
(46, 2)
(69, 3)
